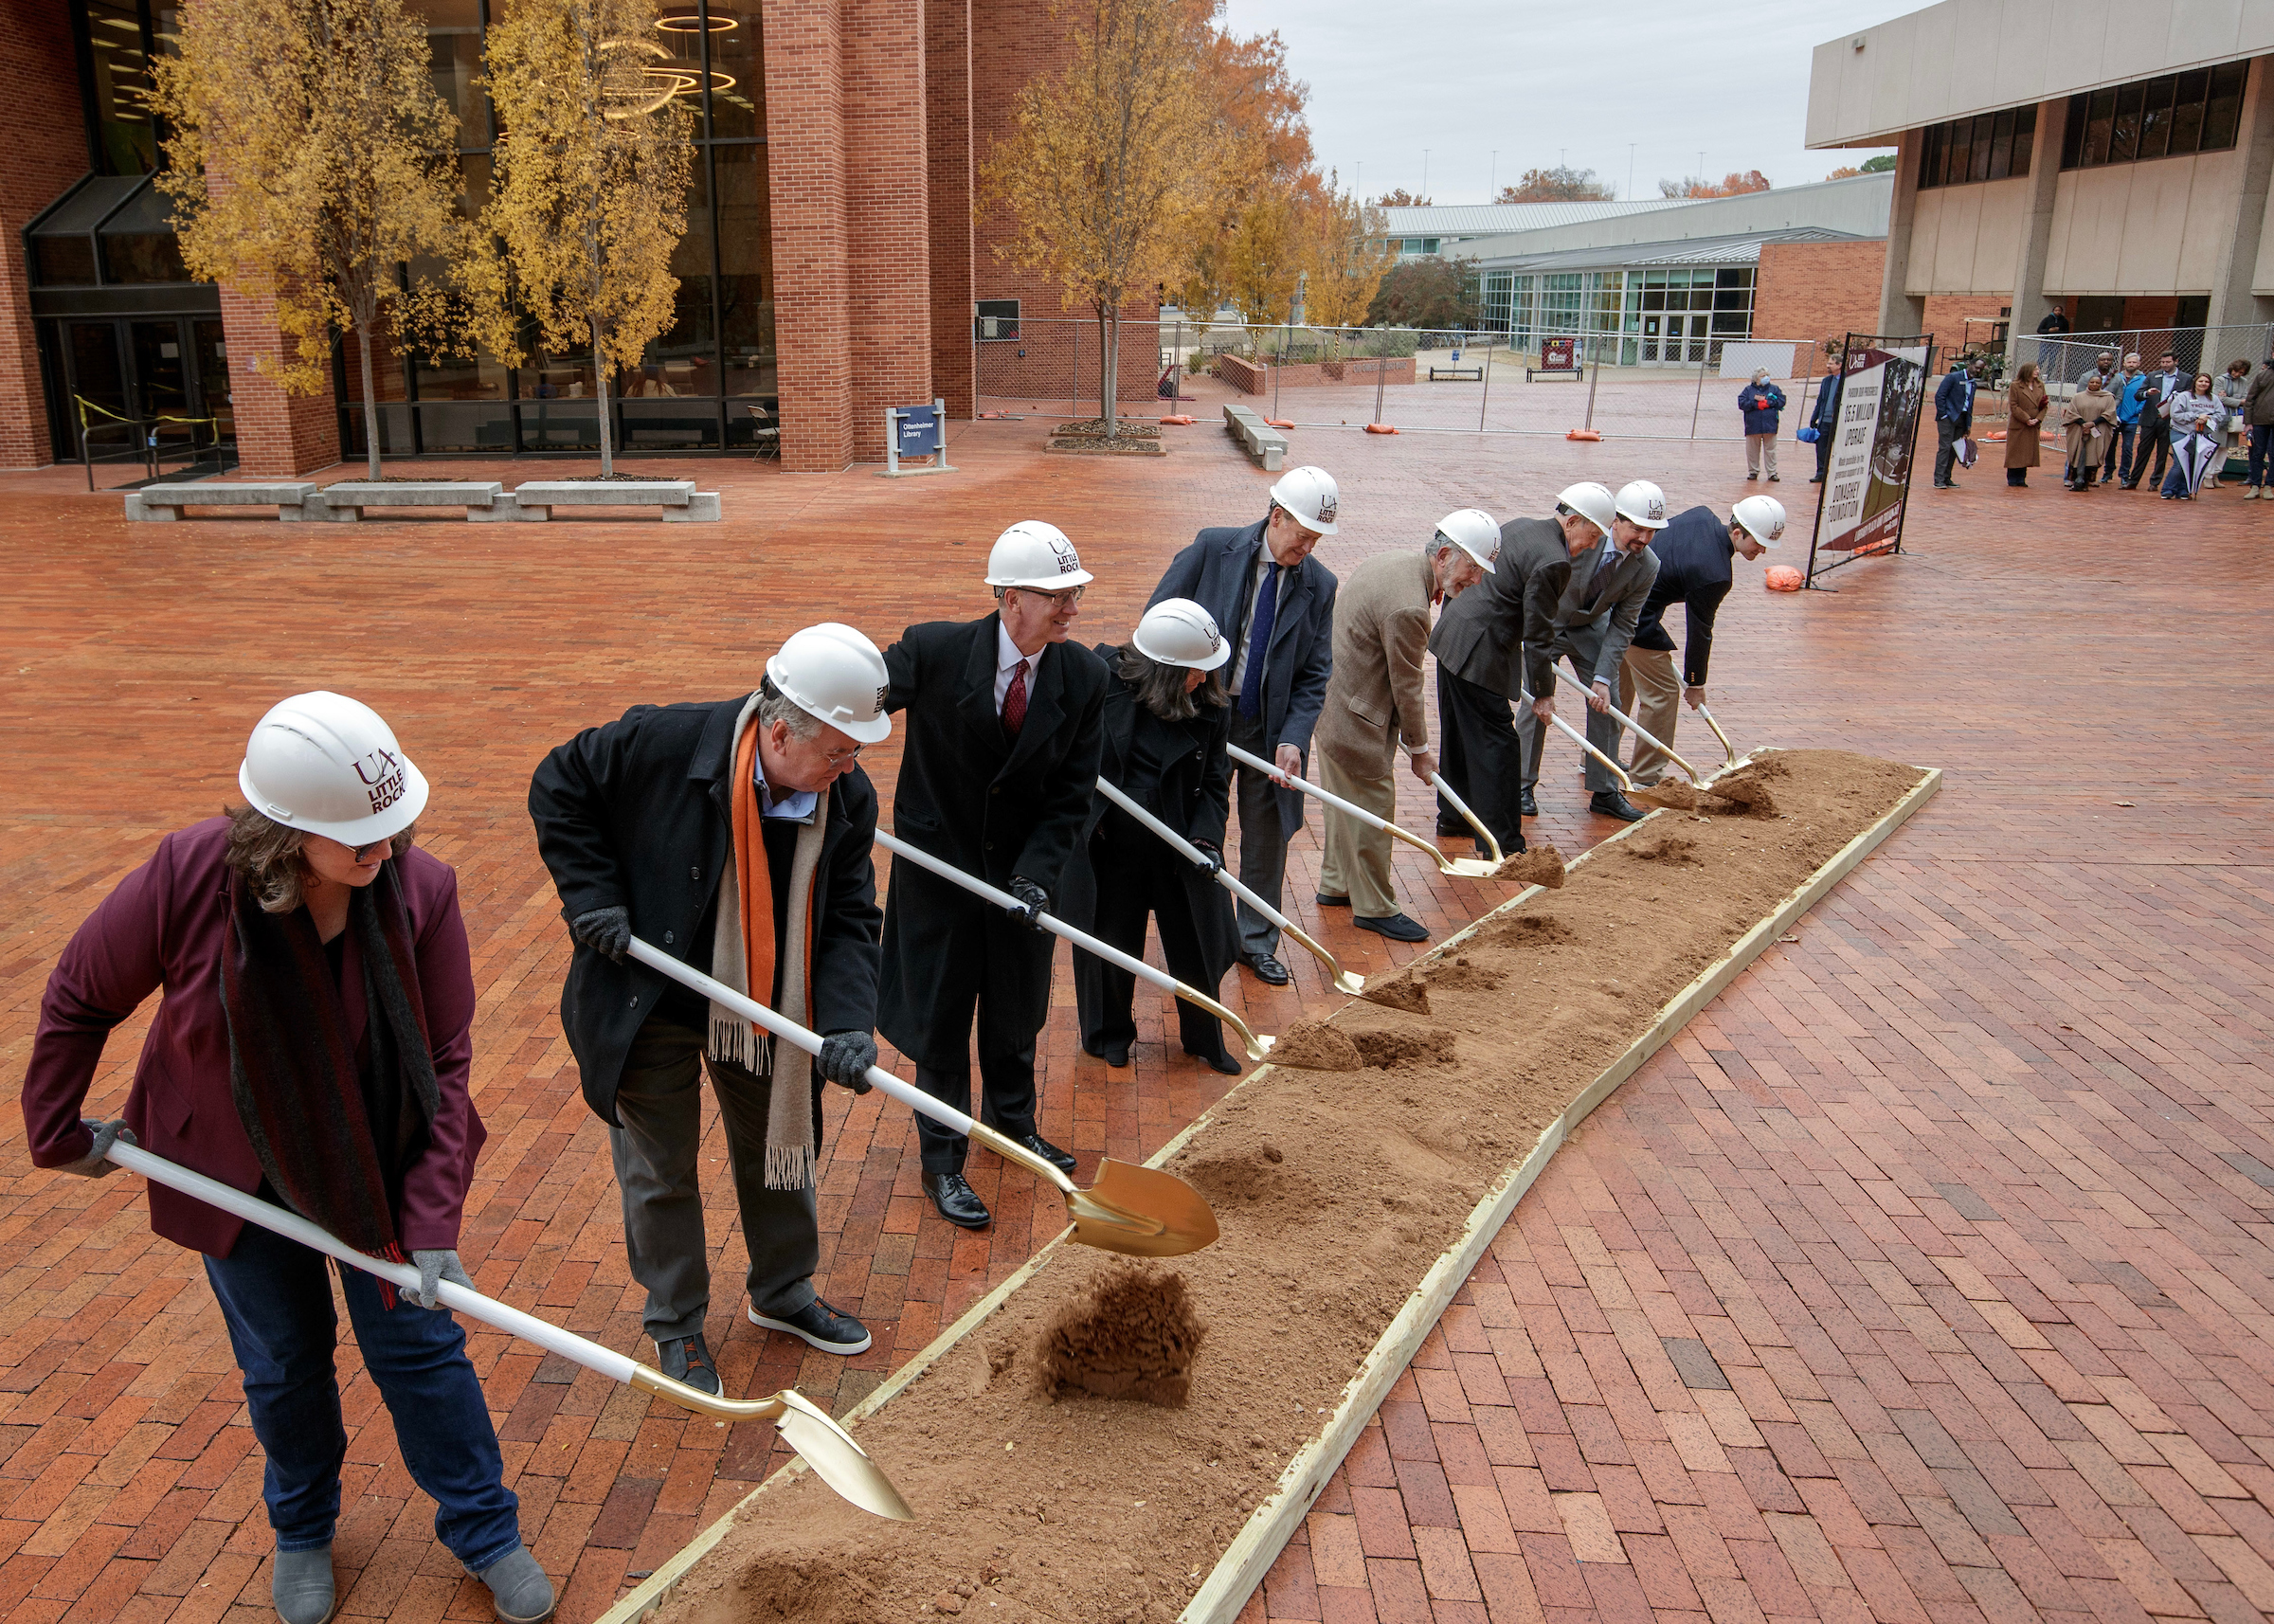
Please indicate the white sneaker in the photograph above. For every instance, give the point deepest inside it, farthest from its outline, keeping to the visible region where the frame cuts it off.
(2250, 493)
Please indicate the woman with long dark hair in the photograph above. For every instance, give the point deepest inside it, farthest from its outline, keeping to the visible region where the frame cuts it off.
(1167, 718)
(312, 1045)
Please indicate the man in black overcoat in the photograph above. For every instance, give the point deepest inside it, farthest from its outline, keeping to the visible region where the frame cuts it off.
(1275, 602)
(640, 821)
(996, 777)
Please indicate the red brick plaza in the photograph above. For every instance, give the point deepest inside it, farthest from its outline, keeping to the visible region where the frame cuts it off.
(1926, 1275)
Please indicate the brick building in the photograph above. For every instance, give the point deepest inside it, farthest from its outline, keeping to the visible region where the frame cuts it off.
(831, 268)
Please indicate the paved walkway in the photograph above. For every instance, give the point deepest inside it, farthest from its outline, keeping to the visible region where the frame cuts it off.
(1925, 1273)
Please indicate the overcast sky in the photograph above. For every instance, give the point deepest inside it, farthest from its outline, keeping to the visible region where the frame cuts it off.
(1536, 78)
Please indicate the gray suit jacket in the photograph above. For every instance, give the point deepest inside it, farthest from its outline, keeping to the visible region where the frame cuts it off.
(1616, 611)
(1497, 633)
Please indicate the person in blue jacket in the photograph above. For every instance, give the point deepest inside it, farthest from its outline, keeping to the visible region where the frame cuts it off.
(1826, 419)
(1954, 418)
(2129, 387)
(1760, 400)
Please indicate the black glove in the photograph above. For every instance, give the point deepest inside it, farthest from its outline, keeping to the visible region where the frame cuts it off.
(1215, 864)
(604, 931)
(846, 1059)
(1037, 900)
(96, 1163)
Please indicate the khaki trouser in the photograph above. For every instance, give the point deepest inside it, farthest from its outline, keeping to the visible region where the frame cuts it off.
(1758, 446)
(1649, 677)
(1356, 865)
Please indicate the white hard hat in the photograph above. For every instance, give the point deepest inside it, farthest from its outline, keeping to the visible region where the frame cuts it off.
(1310, 495)
(329, 765)
(1177, 631)
(834, 674)
(1643, 503)
(1032, 554)
(1590, 501)
(1762, 515)
(1473, 531)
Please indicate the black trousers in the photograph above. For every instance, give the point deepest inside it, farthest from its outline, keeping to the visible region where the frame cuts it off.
(1104, 994)
(1947, 433)
(1823, 453)
(2155, 440)
(1007, 1102)
(1483, 759)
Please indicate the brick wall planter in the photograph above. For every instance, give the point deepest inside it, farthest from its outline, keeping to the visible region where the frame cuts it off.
(1393, 369)
(1245, 376)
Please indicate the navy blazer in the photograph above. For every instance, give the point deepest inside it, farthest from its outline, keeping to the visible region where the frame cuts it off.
(1693, 552)
(1954, 398)
(1214, 572)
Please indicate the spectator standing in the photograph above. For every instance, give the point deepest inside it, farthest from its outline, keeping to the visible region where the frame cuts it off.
(1826, 420)
(2128, 387)
(2055, 320)
(2233, 389)
(2025, 416)
(1760, 400)
(2164, 383)
(1953, 417)
(2196, 418)
(2088, 420)
(2258, 408)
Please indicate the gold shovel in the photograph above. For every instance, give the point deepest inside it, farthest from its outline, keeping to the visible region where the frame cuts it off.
(1474, 821)
(1344, 980)
(823, 1445)
(1632, 727)
(1139, 1211)
(1467, 868)
(1625, 785)
(1727, 749)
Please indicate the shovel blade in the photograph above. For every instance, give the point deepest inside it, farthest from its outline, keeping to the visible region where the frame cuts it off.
(1141, 1212)
(1470, 868)
(836, 1460)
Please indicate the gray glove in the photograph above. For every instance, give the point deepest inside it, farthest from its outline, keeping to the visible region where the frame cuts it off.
(846, 1059)
(604, 931)
(1035, 901)
(96, 1164)
(435, 1267)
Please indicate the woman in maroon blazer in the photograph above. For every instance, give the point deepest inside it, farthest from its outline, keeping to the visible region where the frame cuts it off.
(312, 1045)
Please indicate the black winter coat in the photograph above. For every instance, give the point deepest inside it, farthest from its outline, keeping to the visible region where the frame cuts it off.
(1693, 554)
(635, 814)
(969, 795)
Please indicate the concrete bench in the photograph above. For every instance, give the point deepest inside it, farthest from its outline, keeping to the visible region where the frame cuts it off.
(345, 502)
(1257, 436)
(678, 499)
(164, 503)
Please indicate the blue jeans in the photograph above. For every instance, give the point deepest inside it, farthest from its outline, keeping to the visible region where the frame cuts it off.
(2262, 446)
(275, 1297)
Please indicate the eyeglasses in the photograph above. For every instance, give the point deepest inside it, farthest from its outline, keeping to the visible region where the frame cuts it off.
(359, 853)
(1057, 600)
(838, 758)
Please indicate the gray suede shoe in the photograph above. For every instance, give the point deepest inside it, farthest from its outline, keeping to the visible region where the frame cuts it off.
(518, 1588)
(302, 1586)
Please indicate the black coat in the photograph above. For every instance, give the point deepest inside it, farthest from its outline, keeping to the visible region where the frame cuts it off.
(1693, 551)
(1214, 572)
(971, 796)
(1178, 772)
(1497, 633)
(636, 814)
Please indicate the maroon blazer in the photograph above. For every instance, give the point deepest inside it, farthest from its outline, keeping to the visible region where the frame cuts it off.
(164, 925)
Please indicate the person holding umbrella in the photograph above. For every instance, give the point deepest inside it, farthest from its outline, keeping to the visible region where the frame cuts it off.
(1000, 769)
(311, 1046)
(2196, 417)
(1166, 719)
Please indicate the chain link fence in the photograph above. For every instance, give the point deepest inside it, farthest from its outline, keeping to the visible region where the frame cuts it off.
(2064, 359)
(1414, 379)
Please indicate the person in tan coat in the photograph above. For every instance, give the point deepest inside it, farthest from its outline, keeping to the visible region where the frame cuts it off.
(2025, 422)
(2090, 422)
(1373, 707)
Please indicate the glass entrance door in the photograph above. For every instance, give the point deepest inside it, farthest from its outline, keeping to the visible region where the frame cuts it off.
(162, 380)
(95, 378)
(209, 380)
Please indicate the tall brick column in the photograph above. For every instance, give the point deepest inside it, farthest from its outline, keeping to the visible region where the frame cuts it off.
(279, 436)
(44, 134)
(949, 173)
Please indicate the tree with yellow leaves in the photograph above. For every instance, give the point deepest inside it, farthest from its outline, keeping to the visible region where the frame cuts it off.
(1112, 161)
(1347, 254)
(309, 157)
(590, 189)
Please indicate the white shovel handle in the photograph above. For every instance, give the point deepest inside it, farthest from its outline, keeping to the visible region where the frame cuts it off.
(1050, 922)
(1632, 727)
(1224, 875)
(1371, 820)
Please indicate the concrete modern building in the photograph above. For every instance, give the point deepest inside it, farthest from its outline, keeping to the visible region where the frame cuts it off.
(833, 264)
(2104, 157)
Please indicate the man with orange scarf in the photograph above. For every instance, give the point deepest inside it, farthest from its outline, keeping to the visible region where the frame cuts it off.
(735, 836)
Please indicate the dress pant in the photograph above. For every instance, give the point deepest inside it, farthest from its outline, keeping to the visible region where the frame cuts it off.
(1946, 448)
(1649, 677)
(1358, 855)
(1824, 454)
(276, 1299)
(1128, 893)
(659, 1104)
(1580, 647)
(2262, 442)
(1262, 839)
(1482, 757)
(2154, 440)
(2119, 450)
(1006, 1082)
(1756, 447)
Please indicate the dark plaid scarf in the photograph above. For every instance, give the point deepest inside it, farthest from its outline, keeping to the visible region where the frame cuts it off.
(333, 1142)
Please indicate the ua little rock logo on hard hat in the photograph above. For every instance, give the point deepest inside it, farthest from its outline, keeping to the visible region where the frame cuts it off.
(1326, 507)
(1069, 561)
(383, 780)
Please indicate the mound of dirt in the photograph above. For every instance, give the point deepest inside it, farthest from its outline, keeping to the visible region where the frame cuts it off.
(1315, 1046)
(1403, 993)
(1461, 974)
(1419, 1046)
(1131, 1334)
(1661, 849)
(1672, 793)
(1541, 865)
(1745, 788)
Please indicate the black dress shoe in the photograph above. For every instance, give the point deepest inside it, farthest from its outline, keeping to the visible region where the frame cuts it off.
(1611, 803)
(1454, 826)
(1112, 1054)
(1221, 1060)
(1045, 1149)
(820, 1325)
(1325, 901)
(959, 1203)
(1397, 927)
(1268, 970)
(688, 1359)
(1526, 806)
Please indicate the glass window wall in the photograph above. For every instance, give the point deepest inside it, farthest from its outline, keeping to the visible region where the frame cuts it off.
(2199, 111)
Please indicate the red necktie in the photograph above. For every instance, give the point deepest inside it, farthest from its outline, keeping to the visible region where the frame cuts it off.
(1014, 701)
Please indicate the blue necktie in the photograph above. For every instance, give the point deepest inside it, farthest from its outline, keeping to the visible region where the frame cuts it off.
(1259, 639)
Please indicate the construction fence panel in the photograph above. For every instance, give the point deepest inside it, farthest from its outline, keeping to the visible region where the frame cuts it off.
(2064, 359)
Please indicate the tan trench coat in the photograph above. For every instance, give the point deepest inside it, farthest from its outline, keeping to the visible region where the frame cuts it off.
(2088, 418)
(2025, 416)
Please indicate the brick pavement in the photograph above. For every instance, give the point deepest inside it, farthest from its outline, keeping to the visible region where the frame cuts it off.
(1924, 1274)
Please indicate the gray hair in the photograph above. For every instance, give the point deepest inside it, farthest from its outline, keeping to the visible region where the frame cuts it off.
(1438, 543)
(775, 706)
